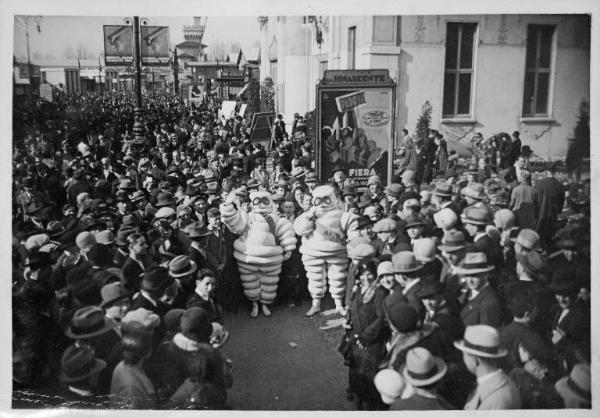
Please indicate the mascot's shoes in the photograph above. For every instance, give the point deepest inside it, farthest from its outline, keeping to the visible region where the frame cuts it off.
(254, 312)
(265, 310)
(313, 310)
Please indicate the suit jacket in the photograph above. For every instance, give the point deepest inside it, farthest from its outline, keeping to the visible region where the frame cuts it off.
(419, 402)
(485, 309)
(498, 392)
(491, 248)
(131, 272)
(551, 197)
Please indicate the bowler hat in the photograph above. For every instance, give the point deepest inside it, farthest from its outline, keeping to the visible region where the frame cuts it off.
(181, 266)
(562, 284)
(156, 278)
(348, 190)
(481, 341)
(474, 263)
(401, 316)
(85, 240)
(88, 322)
(79, 362)
(196, 324)
(405, 262)
(422, 368)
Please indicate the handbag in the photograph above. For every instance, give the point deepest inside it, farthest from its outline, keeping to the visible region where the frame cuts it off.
(345, 346)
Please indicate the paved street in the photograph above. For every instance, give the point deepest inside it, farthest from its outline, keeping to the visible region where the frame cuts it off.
(272, 375)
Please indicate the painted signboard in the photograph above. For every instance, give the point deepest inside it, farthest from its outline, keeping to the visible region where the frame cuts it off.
(355, 122)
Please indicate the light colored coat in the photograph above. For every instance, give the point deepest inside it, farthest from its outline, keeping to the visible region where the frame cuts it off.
(499, 392)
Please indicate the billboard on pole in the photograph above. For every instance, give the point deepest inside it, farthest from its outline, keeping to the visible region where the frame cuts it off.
(154, 45)
(118, 45)
(355, 124)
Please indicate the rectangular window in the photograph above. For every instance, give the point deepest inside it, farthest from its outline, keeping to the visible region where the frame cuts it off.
(351, 47)
(538, 62)
(383, 29)
(322, 68)
(273, 71)
(458, 74)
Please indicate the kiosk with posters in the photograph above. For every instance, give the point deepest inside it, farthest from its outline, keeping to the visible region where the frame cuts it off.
(355, 124)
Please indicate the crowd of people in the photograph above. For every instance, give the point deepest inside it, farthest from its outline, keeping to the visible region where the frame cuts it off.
(460, 288)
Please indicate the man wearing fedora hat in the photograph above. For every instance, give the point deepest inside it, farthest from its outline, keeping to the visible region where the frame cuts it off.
(422, 371)
(79, 371)
(482, 305)
(154, 283)
(576, 389)
(475, 221)
(408, 279)
(481, 351)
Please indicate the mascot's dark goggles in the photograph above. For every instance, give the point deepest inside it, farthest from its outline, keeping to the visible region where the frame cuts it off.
(318, 200)
(258, 200)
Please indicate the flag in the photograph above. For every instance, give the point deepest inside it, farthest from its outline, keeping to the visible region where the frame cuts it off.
(78, 63)
(99, 64)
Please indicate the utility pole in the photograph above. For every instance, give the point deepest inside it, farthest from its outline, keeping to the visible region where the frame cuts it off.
(176, 72)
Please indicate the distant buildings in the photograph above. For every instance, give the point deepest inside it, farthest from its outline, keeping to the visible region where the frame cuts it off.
(481, 73)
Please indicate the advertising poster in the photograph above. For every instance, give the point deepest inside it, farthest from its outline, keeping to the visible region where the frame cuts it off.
(154, 45)
(118, 45)
(195, 93)
(356, 131)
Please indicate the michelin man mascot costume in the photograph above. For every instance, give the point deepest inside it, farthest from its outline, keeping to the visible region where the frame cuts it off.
(266, 241)
(325, 230)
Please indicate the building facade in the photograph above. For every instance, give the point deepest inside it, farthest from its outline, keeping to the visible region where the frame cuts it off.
(481, 73)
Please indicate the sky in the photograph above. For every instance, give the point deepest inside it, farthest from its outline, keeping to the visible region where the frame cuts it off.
(58, 32)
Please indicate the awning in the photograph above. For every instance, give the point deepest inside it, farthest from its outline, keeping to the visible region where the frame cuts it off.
(239, 93)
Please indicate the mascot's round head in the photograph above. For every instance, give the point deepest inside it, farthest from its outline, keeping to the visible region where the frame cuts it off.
(324, 197)
(262, 202)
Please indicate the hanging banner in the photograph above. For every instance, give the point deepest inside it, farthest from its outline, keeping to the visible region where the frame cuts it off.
(355, 126)
(118, 45)
(154, 45)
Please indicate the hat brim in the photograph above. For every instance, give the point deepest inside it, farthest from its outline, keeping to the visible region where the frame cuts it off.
(410, 270)
(161, 204)
(562, 387)
(465, 271)
(193, 268)
(108, 326)
(414, 224)
(472, 221)
(441, 367)
(502, 352)
(451, 248)
(527, 247)
(98, 367)
(110, 302)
